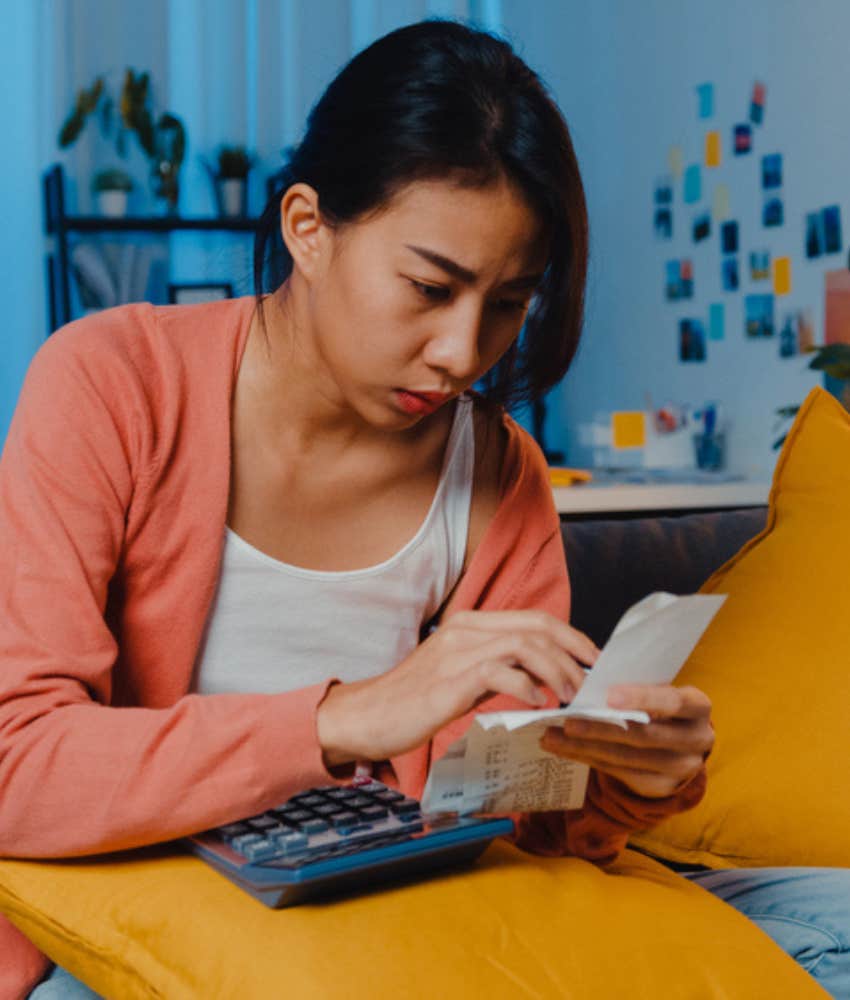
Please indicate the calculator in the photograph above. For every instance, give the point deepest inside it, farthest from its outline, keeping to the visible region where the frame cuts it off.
(335, 839)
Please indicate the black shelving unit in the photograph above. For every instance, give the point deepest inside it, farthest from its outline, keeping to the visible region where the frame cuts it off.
(61, 226)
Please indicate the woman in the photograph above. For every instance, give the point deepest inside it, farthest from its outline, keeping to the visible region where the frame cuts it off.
(256, 545)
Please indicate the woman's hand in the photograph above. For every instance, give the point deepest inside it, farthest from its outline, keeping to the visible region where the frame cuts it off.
(653, 760)
(469, 658)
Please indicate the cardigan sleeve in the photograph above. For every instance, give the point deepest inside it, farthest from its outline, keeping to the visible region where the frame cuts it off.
(528, 522)
(77, 774)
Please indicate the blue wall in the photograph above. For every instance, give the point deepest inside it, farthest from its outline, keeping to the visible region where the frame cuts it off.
(21, 278)
(625, 74)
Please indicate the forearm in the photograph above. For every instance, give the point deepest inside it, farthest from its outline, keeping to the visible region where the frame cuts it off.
(83, 778)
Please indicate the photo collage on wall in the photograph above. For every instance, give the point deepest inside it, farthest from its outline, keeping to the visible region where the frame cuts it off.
(766, 314)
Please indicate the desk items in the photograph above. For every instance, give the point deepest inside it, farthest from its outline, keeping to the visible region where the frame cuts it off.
(674, 436)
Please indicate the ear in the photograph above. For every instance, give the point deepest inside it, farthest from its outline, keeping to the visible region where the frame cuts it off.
(302, 228)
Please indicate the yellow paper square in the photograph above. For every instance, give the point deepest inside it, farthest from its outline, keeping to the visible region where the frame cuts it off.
(781, 275)
(628, 429)
(712, 149)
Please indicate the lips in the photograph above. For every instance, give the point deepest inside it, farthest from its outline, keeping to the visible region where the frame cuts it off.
(434, 398)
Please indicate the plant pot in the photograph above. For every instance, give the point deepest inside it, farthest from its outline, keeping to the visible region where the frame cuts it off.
(232, 197)
(112, 204)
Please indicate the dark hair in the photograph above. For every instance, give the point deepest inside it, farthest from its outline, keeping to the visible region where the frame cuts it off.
(436, 99)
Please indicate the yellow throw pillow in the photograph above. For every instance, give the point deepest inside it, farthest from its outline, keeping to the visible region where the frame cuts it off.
(776, 664)
(159, 923)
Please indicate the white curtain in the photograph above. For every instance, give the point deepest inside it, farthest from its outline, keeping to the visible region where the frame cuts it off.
(235, 71)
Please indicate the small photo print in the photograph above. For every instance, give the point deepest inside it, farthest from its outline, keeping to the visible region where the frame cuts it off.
(814, 234)
(759, 265)
(691, 340)
(702, 227)
(686, 279)
(771, 171)
(832, 229)
(772, 214)
(664, 191)
(729, 274)
(759, 315)
(664, 223)
(742, 140)
(788, 336)
(671, 283)
(729, 237)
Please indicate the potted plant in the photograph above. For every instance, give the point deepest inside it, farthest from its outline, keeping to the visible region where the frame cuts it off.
(163, 139)
(230, 180)
(110, 188)
(834, 361)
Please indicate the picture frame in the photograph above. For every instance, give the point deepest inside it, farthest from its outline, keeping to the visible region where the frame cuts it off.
(195, 292)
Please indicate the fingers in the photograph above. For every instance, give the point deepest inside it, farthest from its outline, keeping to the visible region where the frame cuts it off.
(661, 701)
(611, 756)
(494, 663)
(574, 642)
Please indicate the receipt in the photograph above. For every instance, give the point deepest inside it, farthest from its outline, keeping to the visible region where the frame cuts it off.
(498, 766)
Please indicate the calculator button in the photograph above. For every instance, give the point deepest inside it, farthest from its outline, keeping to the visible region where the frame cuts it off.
(342, 794)
(404, 807)
(231, 830)
(262, 851)
(345, 819)
(246, 841)
(374, 812)
(308, 800)
(388, 795)
(262, 823)
(314, 825)
(328, 809)
(289, 843)
(295, 815)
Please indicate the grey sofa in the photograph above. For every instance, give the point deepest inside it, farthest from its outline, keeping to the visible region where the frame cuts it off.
(614, 563)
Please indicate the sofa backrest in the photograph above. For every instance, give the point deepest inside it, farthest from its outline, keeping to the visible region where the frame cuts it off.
(614, 563)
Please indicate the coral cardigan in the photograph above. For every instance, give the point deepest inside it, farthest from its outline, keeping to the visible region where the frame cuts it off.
(113, 498)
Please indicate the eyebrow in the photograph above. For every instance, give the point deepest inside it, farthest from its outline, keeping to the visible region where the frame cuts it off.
(525, 281)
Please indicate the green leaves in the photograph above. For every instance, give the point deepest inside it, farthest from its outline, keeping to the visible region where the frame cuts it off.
(75, 122)
(833, 360)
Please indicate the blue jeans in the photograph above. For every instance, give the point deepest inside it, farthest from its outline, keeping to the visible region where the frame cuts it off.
(805, 910)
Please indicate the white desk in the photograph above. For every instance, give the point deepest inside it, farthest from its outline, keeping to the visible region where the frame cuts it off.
(601, 498)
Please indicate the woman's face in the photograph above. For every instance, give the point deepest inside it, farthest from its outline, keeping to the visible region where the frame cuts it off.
(425, 296)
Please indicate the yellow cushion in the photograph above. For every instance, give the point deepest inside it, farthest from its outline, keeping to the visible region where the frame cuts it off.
(161, 923)
(776, 664)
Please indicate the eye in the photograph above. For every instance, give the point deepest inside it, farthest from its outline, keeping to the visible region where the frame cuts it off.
(431, 293)
(509, 305)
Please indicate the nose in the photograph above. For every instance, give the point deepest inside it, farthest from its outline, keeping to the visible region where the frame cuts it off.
(454, 344)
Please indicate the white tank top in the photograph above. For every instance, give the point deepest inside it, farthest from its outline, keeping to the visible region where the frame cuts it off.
(274, 627)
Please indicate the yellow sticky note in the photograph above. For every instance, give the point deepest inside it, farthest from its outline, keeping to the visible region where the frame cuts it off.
(720, 207)
(676, 161)
(628, 429)
(781, 275)
(712, 149)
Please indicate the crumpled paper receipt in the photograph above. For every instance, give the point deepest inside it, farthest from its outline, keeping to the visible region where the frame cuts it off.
(498, 765)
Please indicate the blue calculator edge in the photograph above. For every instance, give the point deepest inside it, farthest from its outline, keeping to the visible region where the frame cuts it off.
(425, 844)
